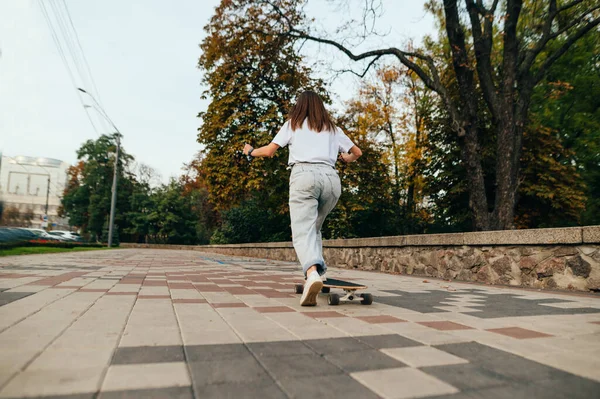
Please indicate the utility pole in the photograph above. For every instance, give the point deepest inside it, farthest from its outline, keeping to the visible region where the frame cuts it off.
(113, 199)
(47, 197)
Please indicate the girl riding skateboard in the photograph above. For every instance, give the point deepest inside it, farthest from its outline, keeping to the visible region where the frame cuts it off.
(315, 188)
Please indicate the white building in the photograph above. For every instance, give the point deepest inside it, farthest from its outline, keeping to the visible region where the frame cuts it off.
(28, 183)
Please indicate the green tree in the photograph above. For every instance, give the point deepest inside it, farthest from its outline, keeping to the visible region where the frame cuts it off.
(552, 193)
(565, 110)
(389, 109)
(195, 187)
(366, 207)
(502, 51)
(171, 219)
(251, 78)
(251, 221)
(550, 190)
(86, 199)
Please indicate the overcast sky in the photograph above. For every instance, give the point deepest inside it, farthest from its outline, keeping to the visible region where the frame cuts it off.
(142, 55)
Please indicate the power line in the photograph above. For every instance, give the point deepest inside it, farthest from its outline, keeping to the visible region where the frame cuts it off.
(66, 35)
(87, 65)
(58, 46)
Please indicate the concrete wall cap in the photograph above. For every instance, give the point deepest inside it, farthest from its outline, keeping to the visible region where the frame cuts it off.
(591, 234)
(566, 235)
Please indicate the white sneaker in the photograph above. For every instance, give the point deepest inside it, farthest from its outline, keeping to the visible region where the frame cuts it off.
(324, 277)
(312, 287)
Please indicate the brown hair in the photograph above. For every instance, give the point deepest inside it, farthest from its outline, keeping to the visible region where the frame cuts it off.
(310, 105)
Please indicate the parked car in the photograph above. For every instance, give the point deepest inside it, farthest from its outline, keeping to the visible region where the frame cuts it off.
(16, 234)
(43, 235)
(66, 235)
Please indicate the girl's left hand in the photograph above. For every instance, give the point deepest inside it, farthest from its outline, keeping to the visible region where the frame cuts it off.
(247, 148)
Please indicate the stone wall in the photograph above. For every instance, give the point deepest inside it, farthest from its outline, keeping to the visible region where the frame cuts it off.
(566, 258)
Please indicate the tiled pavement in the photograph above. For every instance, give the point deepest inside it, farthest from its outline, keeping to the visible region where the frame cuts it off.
(182, 324)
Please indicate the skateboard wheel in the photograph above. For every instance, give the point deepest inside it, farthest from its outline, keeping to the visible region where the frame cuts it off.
(333, 299)
(325, 290)
(367, 299)
(299, 288)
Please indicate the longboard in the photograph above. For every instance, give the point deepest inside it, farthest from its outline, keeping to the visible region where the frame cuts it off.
(349, 288)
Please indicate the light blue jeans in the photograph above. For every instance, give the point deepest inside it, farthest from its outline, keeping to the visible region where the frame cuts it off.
(314, 191)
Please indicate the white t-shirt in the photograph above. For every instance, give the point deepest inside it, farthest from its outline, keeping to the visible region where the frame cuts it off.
(309, 146)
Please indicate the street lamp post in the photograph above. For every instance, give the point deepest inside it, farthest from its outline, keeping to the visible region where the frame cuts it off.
(113, 199)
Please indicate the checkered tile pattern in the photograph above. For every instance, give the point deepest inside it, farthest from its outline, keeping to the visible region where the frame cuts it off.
(183, 324)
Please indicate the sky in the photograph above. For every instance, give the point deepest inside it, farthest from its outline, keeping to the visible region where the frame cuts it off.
(143, 56)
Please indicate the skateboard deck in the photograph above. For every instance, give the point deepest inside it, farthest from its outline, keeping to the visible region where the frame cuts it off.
(349, 288)
(335, 283)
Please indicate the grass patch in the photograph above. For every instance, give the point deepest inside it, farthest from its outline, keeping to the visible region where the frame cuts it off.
(44, 250)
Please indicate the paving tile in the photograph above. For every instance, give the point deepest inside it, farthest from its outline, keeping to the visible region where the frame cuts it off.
(189, 300)
(229, 305)
(151, 323)
(551, 389)
(519, 333)
(403, 382)
(444, 325)
(423, 356)
(336, 345)
(93, 290)
(201, 324)
(339, 385)
(505, 364)
(380, 319)
(121, 293)
(322, 314)
(87, 395)
(582, 365)
(154, 283)
(467, 376)
(148, 354)
(53, 382)
(270, 293)
(268, 332)
(426, 335)
(146, 290)
(130, 281)
(181, 286)
(387, 341)
(143, 376)
(227, 371)
(297, 366)
(363, 360)
(154, 297)
(13, 312)
(27, 339)
(8, 297)
(303, 327)
(208, 288)
(262, 389)
(273, 309)
(282, 348)
(207, 353)
(239, 291)
(157, 393)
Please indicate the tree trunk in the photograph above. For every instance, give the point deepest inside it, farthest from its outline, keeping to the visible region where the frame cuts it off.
(396, 167)
(410, 204)
(506, 182)
(471, 155)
